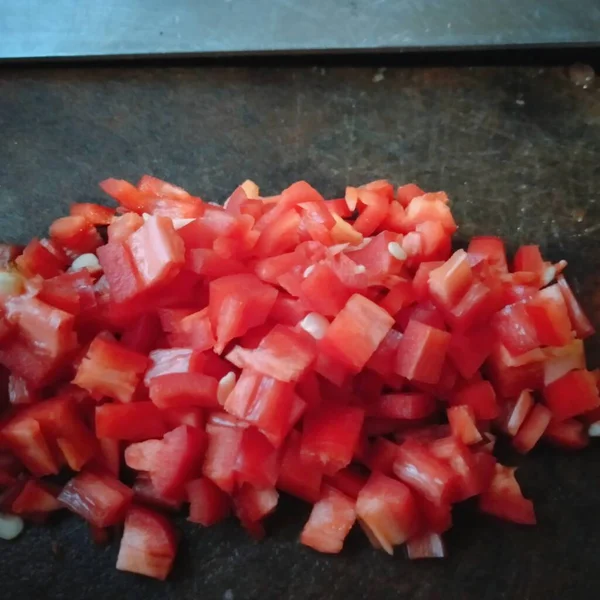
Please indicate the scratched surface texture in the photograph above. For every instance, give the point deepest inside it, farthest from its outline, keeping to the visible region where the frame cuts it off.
(517, 149)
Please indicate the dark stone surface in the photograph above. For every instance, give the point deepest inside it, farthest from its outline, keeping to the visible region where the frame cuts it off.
(518, 150)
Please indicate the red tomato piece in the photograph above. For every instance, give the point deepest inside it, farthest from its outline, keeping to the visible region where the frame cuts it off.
(410, 405)
(515, 329)
(548, 311)
(329, 435)
(330, 521)
(400, 296)
(142, 335)
(382, 456)
(356, 331)
(208, 263)
(145, 493)
(573, 394)
(208, 503)
(120, 272)
(75, 233)
(238, 303)
(560, 361)
(405, 193)
(36, 497)
(468, 350)
(194, 331)
(459, 458)
(94, 214)
(321, 277)
(420, 281)
(126, 194)
(20, 391)
(135, 422)
(532, 429)
(450, 282)
(157, 250)
(463, 425)
(174, 360)
(570, 434)
(421, 352)
(383, 360)
(297, 476)
(426, 545)
(481, 397)
(37, 259)
(490, 249)
(375, 256)
(110, 369)
(430, 207)
(283, 353)
(529, 259)
(97, 497)
(581, 324)
(221, 455)
(348, 481)
(71, 292)
(148, 545)
(387, 511)
(423, 312)
(417, 467)
(49, 329)
(251, 505)
(516, 413)
(504, 499)
(24, 438)
(184, 389)
(508, 380)
(257, 461)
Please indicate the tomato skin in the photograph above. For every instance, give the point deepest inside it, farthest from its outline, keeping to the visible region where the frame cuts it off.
(148, 545)
(329, 523)
(97, 497)
(257, 462)
(504, 499)
(405, 193)
(37, 259)
(208, 503)
(75, 233)
(387, 512)
(468, 350)
(550, 317)
(450, 282)
(421, 352)
(490, 249)
(126, 194)
(119, 269)
(573, 394)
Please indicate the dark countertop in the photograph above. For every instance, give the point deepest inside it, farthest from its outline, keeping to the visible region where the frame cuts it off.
(517, 149)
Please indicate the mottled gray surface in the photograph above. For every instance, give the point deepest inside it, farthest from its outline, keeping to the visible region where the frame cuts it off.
(518, 150)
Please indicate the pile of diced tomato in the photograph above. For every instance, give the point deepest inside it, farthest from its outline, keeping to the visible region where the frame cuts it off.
(172, 354)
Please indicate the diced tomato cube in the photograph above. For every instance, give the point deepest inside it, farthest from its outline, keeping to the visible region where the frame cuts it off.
(409, 405)
(481, 397)
(283, 353)
(238, 303)
(463, 425)
(120, 272)
(322, 277)
(504, 499)
(581, 324)
(37, 259)
(133, 422)
(36, 497)
(110, 369)
(330, 434)
(405, 193)
(97, 497)
(257, 461)
(298, 476)
(356, 332)
(509, 380)
(383, 360)
(387, 511)
(184, 389)
(573, 394)
(148, 545)
(348, 481)
(468, 350)
(420, 282)
(548, 311)
(514, 414)
(569, 434)
(450, 282)
(417, 467)
(174, 360)
(515, 329)
(421, 352)
(489, 248)
(426, 545)
(208, 503)
(329, 523)
(529, 258)
(382, 456)
(145, 493)
(221, 456)
(532, 429)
